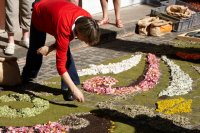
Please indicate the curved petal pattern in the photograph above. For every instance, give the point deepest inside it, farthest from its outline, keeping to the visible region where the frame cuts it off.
(181, 82)
(111, 67)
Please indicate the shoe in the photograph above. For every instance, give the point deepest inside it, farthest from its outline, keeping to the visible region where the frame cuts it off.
(103, 22)
(26, 81)
(26, 85)
(67, 95)
(119, 23)
(10, 49)
(25, 43)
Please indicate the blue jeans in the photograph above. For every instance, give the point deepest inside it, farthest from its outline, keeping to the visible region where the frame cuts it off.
(34, 60)
(70, 66)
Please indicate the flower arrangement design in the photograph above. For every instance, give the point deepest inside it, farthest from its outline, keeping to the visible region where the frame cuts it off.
(73, 121)
(173, 106)
(188, 56)
(50, 127)
(135, 110)
(103, 85)
(111, 67)
(100, 85)
(153, 73)
(39, 105)
(181, 82)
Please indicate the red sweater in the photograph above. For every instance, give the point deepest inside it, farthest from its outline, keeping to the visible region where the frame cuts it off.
(56, 17)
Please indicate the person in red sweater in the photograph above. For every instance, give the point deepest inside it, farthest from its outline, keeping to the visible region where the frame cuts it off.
(64, 21)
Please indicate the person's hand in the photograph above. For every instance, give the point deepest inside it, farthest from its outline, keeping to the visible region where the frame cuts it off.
(43, 50)
(78, 95)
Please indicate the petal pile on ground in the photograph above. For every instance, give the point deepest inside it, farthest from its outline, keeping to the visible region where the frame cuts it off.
(111, 67)
(181, 82)
(173, 106)
(103, 85)
(50, 127)
(188, 56)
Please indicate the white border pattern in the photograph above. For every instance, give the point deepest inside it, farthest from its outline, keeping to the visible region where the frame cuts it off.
(181, 82)
(114, 68)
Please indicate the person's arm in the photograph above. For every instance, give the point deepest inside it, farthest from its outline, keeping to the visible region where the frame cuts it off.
(75, 91)
(45, 50)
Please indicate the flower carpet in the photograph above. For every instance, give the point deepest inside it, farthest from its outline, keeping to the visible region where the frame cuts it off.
(142, 92)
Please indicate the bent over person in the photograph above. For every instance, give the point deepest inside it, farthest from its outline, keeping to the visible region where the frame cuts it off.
(64, 21)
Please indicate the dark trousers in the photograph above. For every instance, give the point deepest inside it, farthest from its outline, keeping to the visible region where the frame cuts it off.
(34, 60)
(70, 65)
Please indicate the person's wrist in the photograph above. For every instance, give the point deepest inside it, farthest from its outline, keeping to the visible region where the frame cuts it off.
(74, 89)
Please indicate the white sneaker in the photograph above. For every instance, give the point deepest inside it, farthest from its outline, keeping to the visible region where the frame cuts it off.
(10, 49)
(25, 42)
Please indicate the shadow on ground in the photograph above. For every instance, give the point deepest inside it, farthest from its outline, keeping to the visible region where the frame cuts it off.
(143, 123)
(36, 87)
(143, 44)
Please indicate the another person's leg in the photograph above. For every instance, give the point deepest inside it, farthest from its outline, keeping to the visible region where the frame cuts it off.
(116, 4)
(33, 60)
(9, 27)
(104, 6)
(71, 68)
(24, 20)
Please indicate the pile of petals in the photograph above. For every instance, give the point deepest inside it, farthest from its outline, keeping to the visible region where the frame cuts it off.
(181, 82)
(173, 106)
(111, 67)
(100, 85)
(75, 121)
(50, 127)
(188, 56)
(151, 77)
(104, 84)
(195, 4)
(153, 74)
